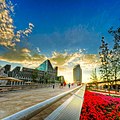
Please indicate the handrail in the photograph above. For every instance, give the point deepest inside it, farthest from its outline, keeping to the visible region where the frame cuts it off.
(71, 108)
(34, 110)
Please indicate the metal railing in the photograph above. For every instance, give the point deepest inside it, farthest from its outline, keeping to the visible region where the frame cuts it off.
(71, 108)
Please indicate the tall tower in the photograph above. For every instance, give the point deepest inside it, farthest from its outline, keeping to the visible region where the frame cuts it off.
(77, 74)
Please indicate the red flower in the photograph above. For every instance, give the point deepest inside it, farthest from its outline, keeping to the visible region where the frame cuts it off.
(98, 106)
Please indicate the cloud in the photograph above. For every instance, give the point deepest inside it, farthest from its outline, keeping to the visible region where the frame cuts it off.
(65, 61)
(38, 49)
(25, 50)
(76, 37)
(60, 58)
(80, 36)
(8, 36)
(23, 56)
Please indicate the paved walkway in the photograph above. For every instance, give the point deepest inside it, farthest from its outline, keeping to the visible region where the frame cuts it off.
(43, 114)
(12, 102)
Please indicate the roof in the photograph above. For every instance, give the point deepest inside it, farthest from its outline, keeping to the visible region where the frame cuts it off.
(78, 65)
(45, 66)
(10, 79)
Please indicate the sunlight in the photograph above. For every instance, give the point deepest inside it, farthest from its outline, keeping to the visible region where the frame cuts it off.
(68, 75)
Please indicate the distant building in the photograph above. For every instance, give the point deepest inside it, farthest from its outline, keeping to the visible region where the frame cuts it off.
(44, 73)
(77, 74)
(45, 66)
(7, 68)
(49, 71)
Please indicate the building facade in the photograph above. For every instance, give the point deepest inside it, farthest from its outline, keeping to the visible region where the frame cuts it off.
(44, 73)
(77, 74)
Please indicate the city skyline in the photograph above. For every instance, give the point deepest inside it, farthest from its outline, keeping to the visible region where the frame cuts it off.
(66, 32)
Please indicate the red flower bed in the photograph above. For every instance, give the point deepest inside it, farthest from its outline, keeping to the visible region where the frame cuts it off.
(97, 106)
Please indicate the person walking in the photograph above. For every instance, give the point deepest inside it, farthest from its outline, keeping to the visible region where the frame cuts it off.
(61, 85)
(69, 85)
(53, 86)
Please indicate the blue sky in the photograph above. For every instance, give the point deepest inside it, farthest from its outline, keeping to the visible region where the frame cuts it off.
(67, 24)
(62, 30)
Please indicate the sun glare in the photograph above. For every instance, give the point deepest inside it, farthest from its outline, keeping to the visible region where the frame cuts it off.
(68, 76)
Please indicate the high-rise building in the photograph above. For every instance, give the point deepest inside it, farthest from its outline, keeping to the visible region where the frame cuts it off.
(77, 74)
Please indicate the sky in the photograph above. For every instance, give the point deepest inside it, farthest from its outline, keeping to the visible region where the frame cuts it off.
(68, 32)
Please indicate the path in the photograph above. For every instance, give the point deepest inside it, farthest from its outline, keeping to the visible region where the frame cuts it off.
(13, 102)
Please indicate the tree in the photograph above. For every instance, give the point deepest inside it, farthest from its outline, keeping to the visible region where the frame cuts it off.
(105, 68)
(94, 78)
(34, 75)
(115, 53)
(46, 77)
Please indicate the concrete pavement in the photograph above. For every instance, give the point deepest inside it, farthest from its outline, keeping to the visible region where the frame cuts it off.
(13, 102)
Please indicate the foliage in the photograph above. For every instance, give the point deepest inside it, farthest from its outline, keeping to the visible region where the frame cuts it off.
(34, 75)
(94, 78)
(46, 77)
(97, 106)
(115, 52)
(110, 59)
(105, 68)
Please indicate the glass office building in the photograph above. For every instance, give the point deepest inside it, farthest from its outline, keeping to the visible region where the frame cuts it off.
(77, 74)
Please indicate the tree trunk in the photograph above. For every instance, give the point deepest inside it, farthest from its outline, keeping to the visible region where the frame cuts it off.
(115, 80)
